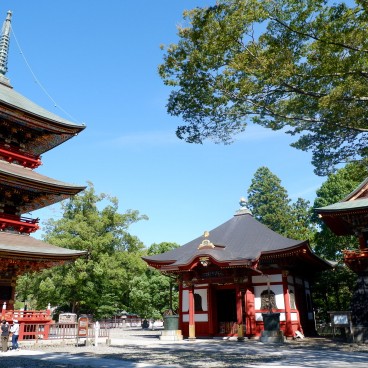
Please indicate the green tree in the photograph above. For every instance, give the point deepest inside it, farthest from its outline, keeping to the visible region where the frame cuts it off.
(99, 282)
(153, 293)
(332, 289)
(298, 65)
(268, 200)
(301, 227)
(158, 248)
(334, 189)
(270, 204)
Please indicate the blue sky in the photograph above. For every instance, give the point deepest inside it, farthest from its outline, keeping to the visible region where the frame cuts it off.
(98, 60)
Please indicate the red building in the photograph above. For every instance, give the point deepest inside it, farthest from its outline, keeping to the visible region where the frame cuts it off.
(229, 277)
(350, 217)
(26, 132)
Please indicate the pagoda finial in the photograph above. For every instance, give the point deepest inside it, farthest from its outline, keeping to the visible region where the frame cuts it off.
(4, 46)
(243, 208)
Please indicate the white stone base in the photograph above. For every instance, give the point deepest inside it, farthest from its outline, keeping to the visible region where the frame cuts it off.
(171, 335)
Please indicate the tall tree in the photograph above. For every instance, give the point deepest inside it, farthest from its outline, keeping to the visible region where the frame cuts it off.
(98, 283)
(298, 65)
(152, 293)
(268, 200)
(270, 204)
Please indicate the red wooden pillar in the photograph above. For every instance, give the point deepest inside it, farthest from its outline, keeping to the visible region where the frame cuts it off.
(210, 309)
(239, 312)
(46, 331)
(191, 313)
(21, 331)
(250, 313)
(181, 305)
(288, 324)
(47, 325)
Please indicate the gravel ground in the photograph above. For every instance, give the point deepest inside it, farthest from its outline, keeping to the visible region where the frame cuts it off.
(138, 346)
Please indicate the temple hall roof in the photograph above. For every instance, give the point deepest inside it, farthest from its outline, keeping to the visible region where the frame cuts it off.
(242, 240)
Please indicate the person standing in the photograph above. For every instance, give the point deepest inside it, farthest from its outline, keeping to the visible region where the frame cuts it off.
(15, 334)
(4, 336)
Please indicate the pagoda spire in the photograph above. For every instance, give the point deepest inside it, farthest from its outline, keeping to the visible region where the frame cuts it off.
(4, 48)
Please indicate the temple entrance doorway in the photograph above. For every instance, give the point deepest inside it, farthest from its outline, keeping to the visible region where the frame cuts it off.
(226, 311)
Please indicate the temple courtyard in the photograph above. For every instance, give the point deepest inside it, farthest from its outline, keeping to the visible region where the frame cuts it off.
(137, 348)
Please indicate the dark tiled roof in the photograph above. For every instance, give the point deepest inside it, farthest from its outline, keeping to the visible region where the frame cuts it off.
(23, 173)
(242, 238)
(12, 98)
(344, 206)
(25, 246)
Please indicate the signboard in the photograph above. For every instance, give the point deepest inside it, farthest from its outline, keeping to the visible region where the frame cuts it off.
(340, 319)
(67, 318)
(82, 327)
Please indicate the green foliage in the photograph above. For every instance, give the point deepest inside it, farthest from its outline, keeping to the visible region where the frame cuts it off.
(98, 283)
(161, 248)
(270, 204)
(298, 65)
(332, 289)
(153, 293)
(336, 187)
(268, 200)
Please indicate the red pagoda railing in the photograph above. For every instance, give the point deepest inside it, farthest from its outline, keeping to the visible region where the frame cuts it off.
(11, 155)
(18, 223)
(32, 323)
(356, 260)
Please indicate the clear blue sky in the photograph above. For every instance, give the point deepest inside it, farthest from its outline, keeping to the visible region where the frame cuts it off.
(98, 60)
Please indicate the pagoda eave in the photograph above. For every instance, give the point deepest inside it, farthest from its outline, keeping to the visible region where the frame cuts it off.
(33, 190)
(40, 256)
(38, 118)
(50, 133)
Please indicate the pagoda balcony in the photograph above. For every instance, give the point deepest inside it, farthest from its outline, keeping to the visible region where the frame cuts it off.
(13, 155)
(17, 223)
(357, 260)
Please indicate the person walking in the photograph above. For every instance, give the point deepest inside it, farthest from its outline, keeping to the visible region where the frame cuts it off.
(15, 334)
(4, 336)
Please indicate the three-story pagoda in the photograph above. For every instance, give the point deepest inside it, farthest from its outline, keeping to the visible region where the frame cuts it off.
(26, 132)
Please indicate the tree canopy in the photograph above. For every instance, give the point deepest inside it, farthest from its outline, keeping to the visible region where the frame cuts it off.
(334, 189)
(332, 290)
(270, 204)
(153, 293)
(300, 66)
(99, 283)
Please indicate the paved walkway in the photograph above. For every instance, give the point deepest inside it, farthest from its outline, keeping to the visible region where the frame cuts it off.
(143, 349)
